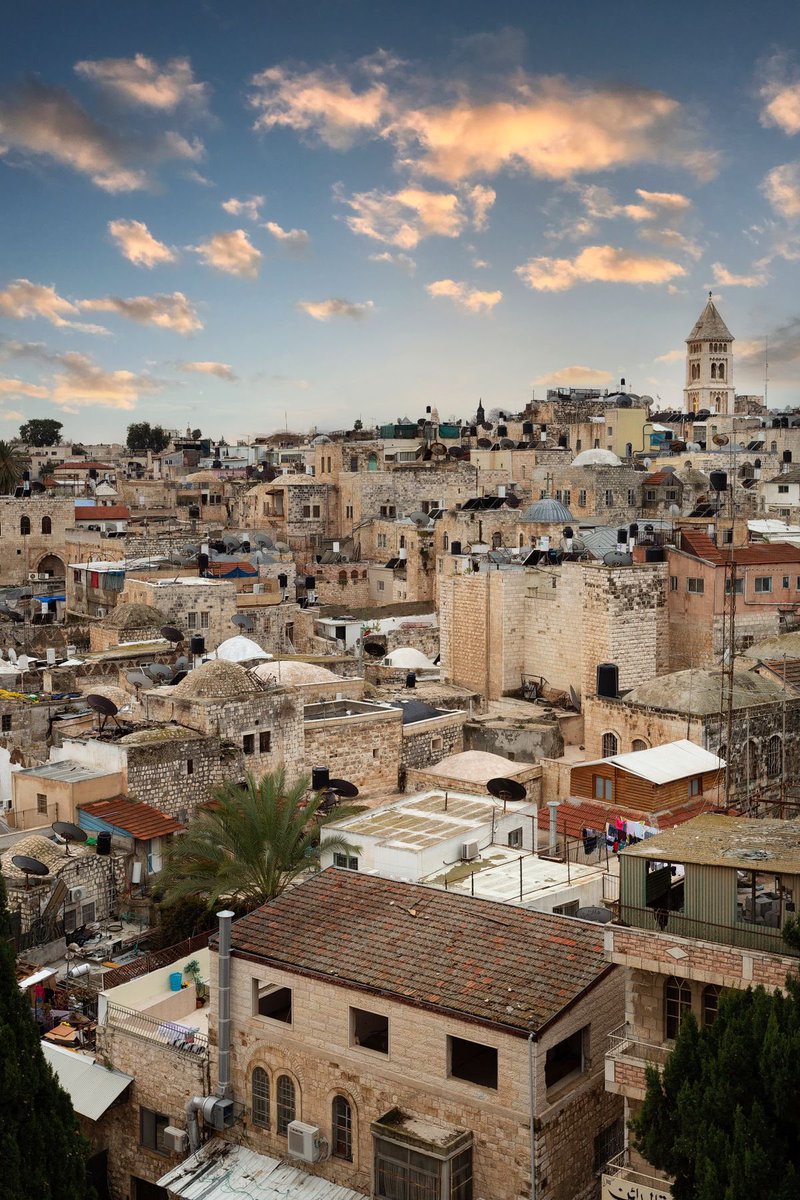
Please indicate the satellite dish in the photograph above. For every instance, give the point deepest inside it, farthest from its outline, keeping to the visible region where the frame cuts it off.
(674, 510)
(158, 671)
(484, 443)
(242, 621)
(105, 707)
(343, 788)
(374, 649)
(171, 634)
(647, 462)
(181, 664)
(720, 439)
(29, 866)
(137, 679)
(69, 832)
(593, 912)
(506, 789)
(574, 699)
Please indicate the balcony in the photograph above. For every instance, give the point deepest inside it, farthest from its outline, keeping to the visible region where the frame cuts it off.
(750, 935)
(621, 1182)
(627, 1059)
(180, 1037)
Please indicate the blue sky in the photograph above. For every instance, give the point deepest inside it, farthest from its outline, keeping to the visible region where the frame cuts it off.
(243, 214)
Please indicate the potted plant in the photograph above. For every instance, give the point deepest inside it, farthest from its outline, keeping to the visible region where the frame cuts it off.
(192, 969)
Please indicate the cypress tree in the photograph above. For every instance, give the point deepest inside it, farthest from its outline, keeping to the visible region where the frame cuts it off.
(42, 1152)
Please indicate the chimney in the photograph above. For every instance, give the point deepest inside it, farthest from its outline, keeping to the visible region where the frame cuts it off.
(225, 917)
(552, 847)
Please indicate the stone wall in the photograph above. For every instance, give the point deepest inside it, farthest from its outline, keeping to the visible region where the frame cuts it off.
(482, 630)
(189, 604)
(423, 781)
(426, 743)
(522, 742)
(364, 749)
(340, 583)
(176, 775)
(23, 553)
(104, 878)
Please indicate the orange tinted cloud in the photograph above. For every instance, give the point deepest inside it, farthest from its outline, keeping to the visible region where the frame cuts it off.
(403, 218)
(607, 264)
(464, 296)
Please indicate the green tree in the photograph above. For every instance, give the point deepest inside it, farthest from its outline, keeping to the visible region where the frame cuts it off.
(196, 435)
(358, 426)
(12, 465)
(723, 1119)
(143, 436)
(41, 431)
(41, 1148)
(251, 845)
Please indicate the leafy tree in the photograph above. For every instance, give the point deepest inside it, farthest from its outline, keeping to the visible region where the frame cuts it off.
(41, 431)
(358, 425)
(724, 1117)
(12, 465)
(251, 845)
(41, 1148)
(196, 435)
(144, 436)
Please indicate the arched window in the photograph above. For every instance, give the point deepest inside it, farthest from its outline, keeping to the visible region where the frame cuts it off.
(284, 1103)
(24, 525)
(341, 1129)
(677, 1002)
(446, 542)
(713, 370)
(610, 744)
(710, 1003)
(639, 744)
(259, 1097)
(47, 525)
(721, 371)
(497, 541)
(774, 756)
(343, 577)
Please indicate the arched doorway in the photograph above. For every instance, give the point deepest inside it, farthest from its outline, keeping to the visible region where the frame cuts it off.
(52, 566)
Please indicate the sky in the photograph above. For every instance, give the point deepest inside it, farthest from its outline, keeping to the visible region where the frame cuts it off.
(250, 215)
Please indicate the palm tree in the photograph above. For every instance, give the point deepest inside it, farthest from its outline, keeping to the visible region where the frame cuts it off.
(11, 468)
(251, 845)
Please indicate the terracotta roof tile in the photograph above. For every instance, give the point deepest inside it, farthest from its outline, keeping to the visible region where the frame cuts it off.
(488, 962)
(136, 818)
(102, 512)
(755, 554)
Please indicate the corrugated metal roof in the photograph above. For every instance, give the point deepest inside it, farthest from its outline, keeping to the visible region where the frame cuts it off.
(131, 817)
(665, 764)
(220, 1170)
(91, 1088)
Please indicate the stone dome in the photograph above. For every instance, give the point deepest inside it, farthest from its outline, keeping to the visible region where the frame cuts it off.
(215, 678)
(294, 673)
(597, 458)
(547, 512)
(134, 616)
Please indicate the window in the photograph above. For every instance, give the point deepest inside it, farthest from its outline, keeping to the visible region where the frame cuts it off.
(370, 1030)
(608, 1143)
(785, 582)
(774, 756)
(437, 745)
(639, 744)
(609, 498)
(353, 463)
(273, 1002)
(566, 1059)
(710, 1003)
(673, 583)
(515, 838)
(603, 788)
(88, 913)
(381, 585)
(204, 620)
(695, 586)
(783, 489)
(763, 584)
(41, 803)
(70, 920)
(632, 497)
(284, 1103)
(191, 620)
(6, 723)
(24, 525)
(582, 498)
(672, 494)
(259, 1097)
(567, 497)
(190, 766)
(264, 741)
(696, 786)
(610, 744)
(677, 1002)
(47, 525)
(306, 510)
(738, 587)
(315, 510)
(570, 909)
(472, 1061)
(341, 1129)
(151, 1130)
(348, 862)
(248, 743)
(650, 494)
(406, 1173)
(348, 512)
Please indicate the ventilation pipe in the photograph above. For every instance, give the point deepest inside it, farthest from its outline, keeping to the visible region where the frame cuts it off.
(552, 847)
(501, 491)
(217, 1110)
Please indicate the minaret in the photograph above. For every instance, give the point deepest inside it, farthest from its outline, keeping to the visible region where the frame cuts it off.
(709, 364)
(480, 415)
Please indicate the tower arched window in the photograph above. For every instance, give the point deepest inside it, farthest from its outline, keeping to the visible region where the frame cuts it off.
(24, 525)
(47, 525)
(610, 744)
(677, 1002)
(721, 371)
(713, 370)
(285, 1103)
(259, 1097)
(342, 1129)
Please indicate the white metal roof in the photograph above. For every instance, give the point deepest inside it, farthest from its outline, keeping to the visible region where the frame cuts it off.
(91, 1088)
(664, 764)
(221, 1170)
(37, 977)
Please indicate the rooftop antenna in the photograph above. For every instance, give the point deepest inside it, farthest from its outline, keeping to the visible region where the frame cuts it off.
(766, 370)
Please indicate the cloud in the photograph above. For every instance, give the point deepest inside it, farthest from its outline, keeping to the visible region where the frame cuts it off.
(781, 186)
(607, 264)
(231, 252)
(81, 382)
(672, 356)
(323, 310)
(672, 239)
(296, 241)
(725, 278)
(403, 261)
(780, 93)
(22, 298)
(784, 349)
(574, 377)
(464, 295)
(140, 81)
(136, 243)
(405, 217)
(221, 370)
(250, 209)
(11, 414)
(16, 387)
(172, 311)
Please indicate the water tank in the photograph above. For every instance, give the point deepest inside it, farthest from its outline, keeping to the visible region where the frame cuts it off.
(567, 532)
(411, 679)
(202, 563)
(563, 441)
(787, 456)
(320, 778)
(283, 580)
(310, 581)
(527, 429)
(455, 547)
(654, 554)
(104, 842)
(502, 431)
(194, 512)
(197, 644)
(718, 480)
(633, 530)
(608, 680)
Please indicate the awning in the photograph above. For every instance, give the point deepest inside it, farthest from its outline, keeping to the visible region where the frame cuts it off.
(91, 1088)
(37, 977)
(223, 1171)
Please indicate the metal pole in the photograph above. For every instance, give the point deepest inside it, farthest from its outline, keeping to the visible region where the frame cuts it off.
(532, 1101)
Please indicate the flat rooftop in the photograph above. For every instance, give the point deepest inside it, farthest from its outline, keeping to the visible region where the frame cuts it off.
(745, 843)
(423, 821)
(496, 876)
(66, 770)
(327, 710)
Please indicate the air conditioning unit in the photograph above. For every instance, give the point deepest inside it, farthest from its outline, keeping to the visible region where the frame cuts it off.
(5, 806)
(76, 894)
(176, 1141)
(34, 576)
(469, 850)
(101, 612)
(303, 1141)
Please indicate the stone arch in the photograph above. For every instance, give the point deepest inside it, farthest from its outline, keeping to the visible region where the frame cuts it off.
(51, 564)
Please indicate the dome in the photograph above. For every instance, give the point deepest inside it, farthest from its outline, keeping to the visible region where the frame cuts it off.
(408, 658)
(239, 649)
(294, 673)
(36, 845)
(547, 512)
(134, 616)
(215, 678)
(596, 458)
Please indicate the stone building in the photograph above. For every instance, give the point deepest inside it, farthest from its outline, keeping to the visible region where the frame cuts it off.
(709, 364)
(596, 485)
(33, 537)
(127, 623)
(193, 604)
(295, 509)
(390, 1051)
(357, 740)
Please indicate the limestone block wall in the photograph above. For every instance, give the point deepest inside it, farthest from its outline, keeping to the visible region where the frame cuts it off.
(212, 601)
(364, 749)
(426, 743)
(22, 553)
(176, 776)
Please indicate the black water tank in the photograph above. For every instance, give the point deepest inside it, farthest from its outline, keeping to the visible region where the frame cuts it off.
(608, 680)
(283, 580)
(194, 512)
(197, 644)
(633, 530)
(411, 679)
(202, 563)
(527, 429)
(654, 554)
(718, 481)
(310, 581)
(622, 537)
(104, 842)
(502, 431)
(787, 456)
(567, 531)
(320, 778)
(455, 547)
(563, 441)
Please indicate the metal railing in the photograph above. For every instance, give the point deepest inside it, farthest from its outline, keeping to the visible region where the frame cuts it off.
(155, 959)
(744, 934)
(622, 1043)
(648, 1185)
(173, 1035)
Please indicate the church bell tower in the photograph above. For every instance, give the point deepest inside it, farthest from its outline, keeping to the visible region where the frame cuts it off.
(709, 364)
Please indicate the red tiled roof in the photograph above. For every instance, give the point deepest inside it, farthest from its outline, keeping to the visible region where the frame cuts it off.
(134, 816)
(75, 463)
(577, 814)
(486, 962)
(756, 554)
(100, 512)
(659, 477)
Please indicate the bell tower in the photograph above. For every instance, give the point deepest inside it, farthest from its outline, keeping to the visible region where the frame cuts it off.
(709, 364)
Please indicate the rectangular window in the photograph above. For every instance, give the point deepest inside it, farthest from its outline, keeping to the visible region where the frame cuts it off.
(6, 723)
(348, 861)
(608, 1143)
(248, 743)
(191, 620)
(348, 512)
(785, 583)
(41, 803)
(190, 766)
(783, 489)
(306, 510)
(672, 494)
(582, 498)
(738, 588)
(566, 1059)
(695, 587)
(609, 497)
(650, 494)
(567, 497)
(88, 913)
(273, 1002)
(264, 741)
(151, 1130)
(763, 584)
(603, 788)
(204, 620)
(70, 919)
(472, 1061)
(515, 838)
(315, 510)
(570, 909)
(369, 1030)
(673, 583)
(696, 786)
(631, 496)
(381, 586)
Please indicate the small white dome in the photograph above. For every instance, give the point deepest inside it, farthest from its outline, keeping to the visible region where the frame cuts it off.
(239, 649)
(408, 658)
(596, 458)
